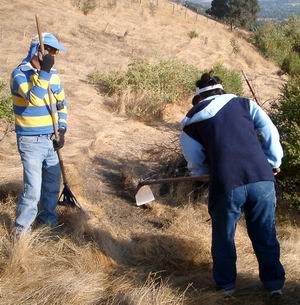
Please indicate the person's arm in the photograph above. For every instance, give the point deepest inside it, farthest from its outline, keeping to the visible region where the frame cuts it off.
(36, 94)
(271, 141)
(61, 103)
(194, 153)
(61, 106)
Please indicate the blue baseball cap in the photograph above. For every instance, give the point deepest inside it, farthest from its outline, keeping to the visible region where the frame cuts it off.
(48, 39)
(52, 41)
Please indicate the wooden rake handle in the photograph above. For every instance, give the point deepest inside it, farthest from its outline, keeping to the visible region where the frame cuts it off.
(62, 167)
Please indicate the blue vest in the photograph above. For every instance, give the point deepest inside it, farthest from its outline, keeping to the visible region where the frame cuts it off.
(233, 150)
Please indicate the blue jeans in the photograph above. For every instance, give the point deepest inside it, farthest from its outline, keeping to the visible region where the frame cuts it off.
(41, 178)
(258, 201)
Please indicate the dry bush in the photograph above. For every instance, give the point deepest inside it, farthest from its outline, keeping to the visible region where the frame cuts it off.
(111, 4)
(169, 162)
(152, 9)
(192, 34)
(86, 6)
(164, 160)
(235, 46)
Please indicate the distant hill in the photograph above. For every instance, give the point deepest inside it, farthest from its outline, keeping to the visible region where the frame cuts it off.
(270, 9)
(279, 9)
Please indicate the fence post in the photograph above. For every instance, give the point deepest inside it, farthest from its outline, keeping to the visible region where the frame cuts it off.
(185, 12)
(173, 11)
(197, 15)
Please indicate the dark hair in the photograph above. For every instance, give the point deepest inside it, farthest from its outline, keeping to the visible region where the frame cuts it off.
(207, 80)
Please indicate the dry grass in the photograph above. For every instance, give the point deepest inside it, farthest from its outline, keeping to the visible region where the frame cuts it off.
(90, 261)
(137, 105)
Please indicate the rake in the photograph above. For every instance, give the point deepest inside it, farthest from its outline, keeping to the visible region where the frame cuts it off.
(145, 195)
(66, 197)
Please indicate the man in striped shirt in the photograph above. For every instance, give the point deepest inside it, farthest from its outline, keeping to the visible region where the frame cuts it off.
(34, 129)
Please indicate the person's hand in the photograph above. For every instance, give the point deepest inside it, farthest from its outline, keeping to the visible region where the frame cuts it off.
(59, 143)
(47, 62)
(276, 171)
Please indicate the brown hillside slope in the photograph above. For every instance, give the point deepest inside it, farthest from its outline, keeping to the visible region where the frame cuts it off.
(106, 258)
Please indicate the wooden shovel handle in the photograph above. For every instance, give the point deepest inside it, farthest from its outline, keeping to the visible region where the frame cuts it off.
(204, 178)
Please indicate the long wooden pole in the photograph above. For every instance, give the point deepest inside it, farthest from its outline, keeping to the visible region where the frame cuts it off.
(204, 178)
(62, 167)
(250, 87)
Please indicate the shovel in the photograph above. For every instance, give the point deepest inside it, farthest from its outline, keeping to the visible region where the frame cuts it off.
(144, 193)
(66, 197)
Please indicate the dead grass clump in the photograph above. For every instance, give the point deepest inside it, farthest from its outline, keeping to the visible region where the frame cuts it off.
(139, 105)
(154, 291)
(43, 269)
(167, 253)
(290, 249)
(86, 6)
(183, 247)
(152, 8)
(192, 34)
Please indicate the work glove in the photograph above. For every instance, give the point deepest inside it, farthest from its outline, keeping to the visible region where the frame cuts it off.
(276, 171)
(47, 62)
(59, 143)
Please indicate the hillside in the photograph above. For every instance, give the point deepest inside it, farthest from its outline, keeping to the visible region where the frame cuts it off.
(117, 253)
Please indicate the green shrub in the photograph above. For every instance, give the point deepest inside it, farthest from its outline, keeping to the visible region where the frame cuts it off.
(291, 64)
(287, 118)
(146, 88)
(6, 110)
(151, 86)
(281, 43)
(193, 34)
(232, 80)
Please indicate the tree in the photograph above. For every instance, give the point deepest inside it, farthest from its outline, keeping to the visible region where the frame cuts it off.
(241, 13)
(219, 8)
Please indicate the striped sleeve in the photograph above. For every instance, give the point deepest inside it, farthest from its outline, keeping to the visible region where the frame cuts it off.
(59, 95)
(34, 94)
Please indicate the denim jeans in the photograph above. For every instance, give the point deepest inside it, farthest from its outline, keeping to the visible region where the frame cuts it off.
(258, 201)
(41, 178)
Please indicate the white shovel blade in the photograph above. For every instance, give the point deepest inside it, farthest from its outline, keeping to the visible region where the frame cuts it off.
(144, 195)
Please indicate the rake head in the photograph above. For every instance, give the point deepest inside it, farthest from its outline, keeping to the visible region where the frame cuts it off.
(67, 198)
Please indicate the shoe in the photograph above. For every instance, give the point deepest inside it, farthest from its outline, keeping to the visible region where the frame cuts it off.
(276, 294)
(227, 293)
